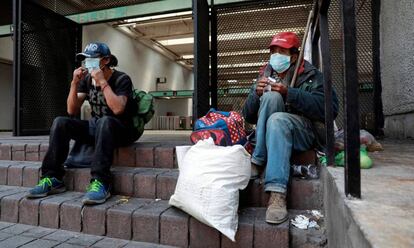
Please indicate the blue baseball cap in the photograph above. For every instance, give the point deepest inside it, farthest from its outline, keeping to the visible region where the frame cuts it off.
(95, 50)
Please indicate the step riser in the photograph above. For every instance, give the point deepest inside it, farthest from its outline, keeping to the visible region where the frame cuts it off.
(153, 183)
(140, 220)
(137, 155)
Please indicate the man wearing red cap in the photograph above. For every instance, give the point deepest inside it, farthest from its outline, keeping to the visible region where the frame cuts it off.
(279, 130)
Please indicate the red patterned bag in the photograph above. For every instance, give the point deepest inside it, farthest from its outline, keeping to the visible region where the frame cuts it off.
(229, 126)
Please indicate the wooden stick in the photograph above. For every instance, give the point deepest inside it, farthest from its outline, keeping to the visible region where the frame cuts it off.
(301, 52)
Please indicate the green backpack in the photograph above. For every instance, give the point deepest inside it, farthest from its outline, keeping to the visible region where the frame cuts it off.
(145, 107)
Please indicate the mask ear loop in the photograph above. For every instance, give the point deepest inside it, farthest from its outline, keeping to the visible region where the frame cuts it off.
(105, 65)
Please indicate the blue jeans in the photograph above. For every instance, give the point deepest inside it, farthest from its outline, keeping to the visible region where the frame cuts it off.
(277, 134)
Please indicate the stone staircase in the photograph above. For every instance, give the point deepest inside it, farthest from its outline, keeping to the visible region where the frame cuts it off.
(144, 178)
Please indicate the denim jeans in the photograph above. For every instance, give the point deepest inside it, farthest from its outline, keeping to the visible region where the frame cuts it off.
(106, 133)
(277, 134)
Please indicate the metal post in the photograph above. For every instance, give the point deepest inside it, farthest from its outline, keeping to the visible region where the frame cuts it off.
(213, 56)
(16, 64)
(379, 115)
(326, 69)
(201, 96)
(351, 101)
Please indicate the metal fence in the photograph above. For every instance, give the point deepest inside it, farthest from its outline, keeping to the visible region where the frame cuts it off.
(46, 45)
(243, 35)
(69, 7)
(364, 56)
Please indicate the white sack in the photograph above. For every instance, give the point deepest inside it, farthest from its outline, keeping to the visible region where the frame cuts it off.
(209, 183)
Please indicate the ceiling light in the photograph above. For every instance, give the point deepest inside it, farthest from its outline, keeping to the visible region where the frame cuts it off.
(179, 41)
(188, 56)
(155, 17)
(256, 34)
(258, 64)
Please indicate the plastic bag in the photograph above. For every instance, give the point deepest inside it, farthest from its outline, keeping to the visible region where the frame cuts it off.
(365, 160)
(365, 138)
(209, 182)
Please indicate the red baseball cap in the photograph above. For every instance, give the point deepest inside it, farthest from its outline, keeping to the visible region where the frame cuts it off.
(285, 40)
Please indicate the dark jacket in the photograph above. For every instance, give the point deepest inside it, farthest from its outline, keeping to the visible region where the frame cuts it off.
(307, 98)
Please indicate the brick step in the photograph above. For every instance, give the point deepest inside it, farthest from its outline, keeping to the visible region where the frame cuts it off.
(138, 219)
(139, 154)
(27, 236)
(158, 184)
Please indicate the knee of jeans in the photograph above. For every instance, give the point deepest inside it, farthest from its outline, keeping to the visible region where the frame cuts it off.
(59, 122)
(278, 120)
(271, 96)
(105, 121)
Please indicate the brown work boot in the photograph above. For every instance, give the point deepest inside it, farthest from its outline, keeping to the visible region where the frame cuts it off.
(276, 211)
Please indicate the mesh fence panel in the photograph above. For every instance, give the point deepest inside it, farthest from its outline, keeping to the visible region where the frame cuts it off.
(48, 46)
(240, 56)
(68, 7)
(364, 56)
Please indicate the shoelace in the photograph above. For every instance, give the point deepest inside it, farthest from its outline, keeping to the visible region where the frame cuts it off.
(95, 186)
(45, 182)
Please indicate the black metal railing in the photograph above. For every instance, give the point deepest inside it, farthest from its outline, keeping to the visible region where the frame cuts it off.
(321, 57)
(320, 31)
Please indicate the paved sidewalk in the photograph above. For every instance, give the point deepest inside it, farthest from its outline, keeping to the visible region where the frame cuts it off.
(25, 236)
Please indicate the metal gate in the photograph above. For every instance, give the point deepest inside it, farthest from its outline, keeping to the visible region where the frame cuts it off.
(370, 102)
(243, 36)
(44, 51)
(244, 32)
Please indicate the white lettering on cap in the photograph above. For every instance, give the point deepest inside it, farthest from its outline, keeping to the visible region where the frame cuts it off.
(91, 47)
(281, 39)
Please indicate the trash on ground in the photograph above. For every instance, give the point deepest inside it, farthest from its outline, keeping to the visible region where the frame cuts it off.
(303, 222)
(313, 224)
(365, 138)
(123, 200)
(300, 222)
(309, 171)
(316, 213)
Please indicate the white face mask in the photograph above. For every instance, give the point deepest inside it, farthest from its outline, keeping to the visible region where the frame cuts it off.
(279, 62)
(92, 63)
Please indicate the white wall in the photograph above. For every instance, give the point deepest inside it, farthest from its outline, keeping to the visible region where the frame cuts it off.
(6, 84)
(6, 48)
(6, 96)
(175, 106)
(397, 67)
(140, 62)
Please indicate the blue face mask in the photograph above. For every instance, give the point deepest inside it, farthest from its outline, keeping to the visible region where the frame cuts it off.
(92, 63)
(279, 62)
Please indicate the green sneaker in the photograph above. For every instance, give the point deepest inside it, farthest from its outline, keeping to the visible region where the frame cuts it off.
(97, 193)
(47, 186)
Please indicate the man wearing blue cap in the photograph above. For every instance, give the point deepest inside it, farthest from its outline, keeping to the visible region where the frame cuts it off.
(109, 93)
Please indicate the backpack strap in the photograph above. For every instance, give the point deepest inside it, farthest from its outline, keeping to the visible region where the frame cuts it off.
(118, 80)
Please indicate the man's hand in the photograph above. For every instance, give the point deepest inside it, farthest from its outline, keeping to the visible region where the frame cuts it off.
(99, 77)
(281, 88)
(261, 84)
(79, 74)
